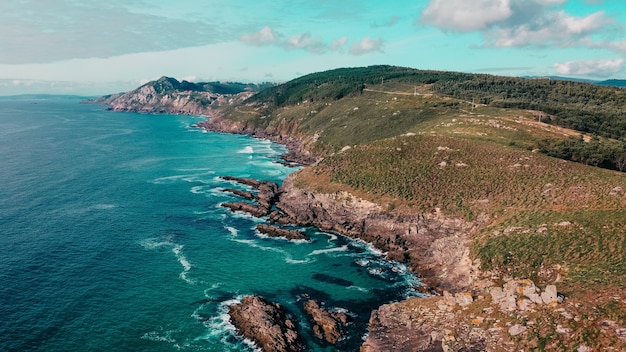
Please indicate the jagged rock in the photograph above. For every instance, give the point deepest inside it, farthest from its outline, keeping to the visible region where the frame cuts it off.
(243, 194)
(243, 180)
(522, 295)
(432, 244)
(278, 217)
(267, 195)
(328, 325)
(274, 231)
(252, 209)
(266, 324)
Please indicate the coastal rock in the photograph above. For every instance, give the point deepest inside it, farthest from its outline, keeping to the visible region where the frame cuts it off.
(434, 246)
(252, 209)
(267, 195)
(274, 231)
(243, 194)
(328, 324)
(266, 324)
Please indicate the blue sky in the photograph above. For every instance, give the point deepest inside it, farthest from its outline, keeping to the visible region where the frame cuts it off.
(98, 47)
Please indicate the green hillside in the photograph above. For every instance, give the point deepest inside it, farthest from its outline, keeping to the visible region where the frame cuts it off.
(350, 106)
(472, 146)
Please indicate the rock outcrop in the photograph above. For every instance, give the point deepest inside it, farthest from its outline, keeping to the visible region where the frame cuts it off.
(265, 323)
(266, 196)
(435, 246)
(328, 324)
(462, 322)
(274, 231)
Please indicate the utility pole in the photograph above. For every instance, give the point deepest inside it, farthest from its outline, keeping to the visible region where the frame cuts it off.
(415, 91)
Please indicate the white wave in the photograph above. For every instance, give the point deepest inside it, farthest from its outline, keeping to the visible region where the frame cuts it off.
(219, 326)
(157, 337)
(196, 177)
(195, 169)
(357, 288)
(362, 262)
(343, 248)
(246, 150)
(177, 250)
(376, 272)
(331, 237)
(233, 231)
(181, 258)
(197, 190)
(152, 243)
(290, 260)
(255, 244)
(102, 206)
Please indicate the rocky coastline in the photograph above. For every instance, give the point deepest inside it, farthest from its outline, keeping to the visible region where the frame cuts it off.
(468, 310)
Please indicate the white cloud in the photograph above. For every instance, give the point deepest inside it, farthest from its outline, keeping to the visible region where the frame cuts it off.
(367, 45)
(338, 43)
(521, 23)
(466, 16)
(555, 28)
(592, 68)
(306, 42)
(265, 36)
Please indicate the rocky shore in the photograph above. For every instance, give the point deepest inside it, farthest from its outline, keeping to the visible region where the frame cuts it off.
(266, 324)
(468, 310)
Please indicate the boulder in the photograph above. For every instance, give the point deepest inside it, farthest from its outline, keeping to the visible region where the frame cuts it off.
(328, 324)
(266, 324)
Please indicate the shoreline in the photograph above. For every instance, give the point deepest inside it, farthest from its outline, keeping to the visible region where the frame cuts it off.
(418, 240)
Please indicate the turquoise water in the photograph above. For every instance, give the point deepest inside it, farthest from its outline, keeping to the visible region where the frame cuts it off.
(112, 236)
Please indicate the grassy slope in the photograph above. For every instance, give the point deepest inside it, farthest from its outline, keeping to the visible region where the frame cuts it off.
(401, 133)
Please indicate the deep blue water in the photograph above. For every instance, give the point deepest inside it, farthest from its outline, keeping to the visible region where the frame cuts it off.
(112, 237)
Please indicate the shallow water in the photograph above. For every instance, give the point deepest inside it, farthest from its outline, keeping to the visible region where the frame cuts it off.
(112, 236)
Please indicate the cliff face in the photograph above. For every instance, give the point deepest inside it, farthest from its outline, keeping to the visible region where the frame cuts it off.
(434, 246)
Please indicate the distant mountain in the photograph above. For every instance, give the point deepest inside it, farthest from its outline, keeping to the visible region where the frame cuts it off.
(168, 95)
(613, 82)
(609, 82)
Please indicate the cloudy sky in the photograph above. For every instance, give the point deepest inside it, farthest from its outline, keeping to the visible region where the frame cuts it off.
(95, 47)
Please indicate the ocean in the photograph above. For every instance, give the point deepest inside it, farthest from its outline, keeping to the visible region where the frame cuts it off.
(112, 237)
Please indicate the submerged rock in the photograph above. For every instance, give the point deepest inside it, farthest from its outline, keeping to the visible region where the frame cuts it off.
(266, 324)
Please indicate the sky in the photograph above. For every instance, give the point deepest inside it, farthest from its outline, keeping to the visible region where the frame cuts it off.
(94, 47)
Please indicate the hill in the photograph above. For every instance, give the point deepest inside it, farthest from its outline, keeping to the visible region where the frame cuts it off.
(467, 147)
(613, 82)
(168, 95)
(460, 168)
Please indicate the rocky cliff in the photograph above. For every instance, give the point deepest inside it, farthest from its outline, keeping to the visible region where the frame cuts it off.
(169, 96)
(435, 246)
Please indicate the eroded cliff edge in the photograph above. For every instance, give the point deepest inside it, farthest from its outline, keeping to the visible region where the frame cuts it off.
(435, 246)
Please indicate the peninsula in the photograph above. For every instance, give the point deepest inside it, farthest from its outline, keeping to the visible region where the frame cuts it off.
(507, 196)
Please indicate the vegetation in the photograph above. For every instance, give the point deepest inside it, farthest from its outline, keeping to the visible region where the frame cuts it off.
(581, 106)
(609, 154)
(482, 148)
(472, 146)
